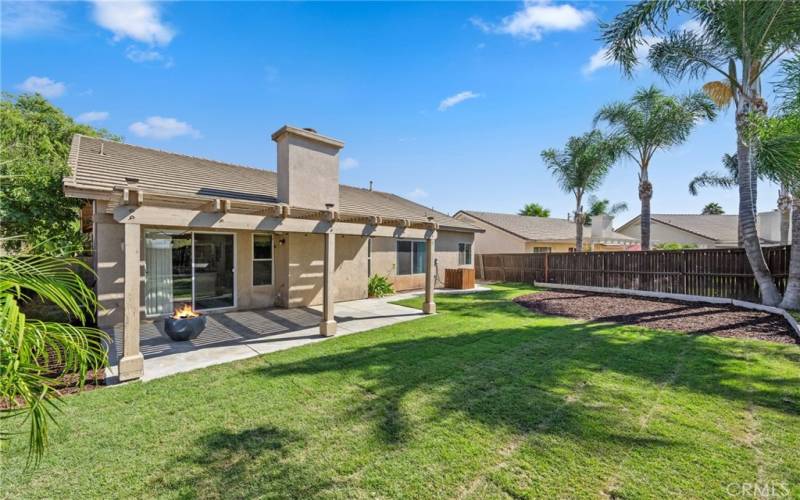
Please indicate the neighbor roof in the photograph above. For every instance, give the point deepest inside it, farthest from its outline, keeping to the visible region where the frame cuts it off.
(102, 165)
(713, 227)
(536, 228)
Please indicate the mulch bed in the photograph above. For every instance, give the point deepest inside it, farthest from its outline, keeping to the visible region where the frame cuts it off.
(65, 386)
(663, 314)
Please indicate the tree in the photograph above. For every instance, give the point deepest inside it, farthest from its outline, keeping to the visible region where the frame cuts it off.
(650, 122)
(581, 168)
(31, 350)
(534, 210)
(603, 207)
(737, 40)
(712, 208)
(35, 139)
(715, 179)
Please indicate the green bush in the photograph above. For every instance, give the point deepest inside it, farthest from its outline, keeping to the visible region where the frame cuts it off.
(675, 246)
(379, 286)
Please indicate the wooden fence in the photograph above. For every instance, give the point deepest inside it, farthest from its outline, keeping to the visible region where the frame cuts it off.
(710, 273)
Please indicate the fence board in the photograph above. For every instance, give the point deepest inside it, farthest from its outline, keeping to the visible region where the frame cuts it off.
(723, 272)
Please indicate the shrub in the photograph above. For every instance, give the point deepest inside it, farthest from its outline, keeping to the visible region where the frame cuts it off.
(675, 246)
(379, 286)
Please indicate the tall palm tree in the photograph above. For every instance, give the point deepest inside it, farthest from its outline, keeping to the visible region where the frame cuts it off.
(534, 210)
(34, 353)
(581, 167)
(650, 122)
(738, 40)
(712, 208)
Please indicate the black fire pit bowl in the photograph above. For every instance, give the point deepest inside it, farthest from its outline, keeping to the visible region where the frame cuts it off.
(182, 329)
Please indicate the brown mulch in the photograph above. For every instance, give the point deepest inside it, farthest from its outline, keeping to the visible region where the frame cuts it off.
(663, 314)
(64, 386)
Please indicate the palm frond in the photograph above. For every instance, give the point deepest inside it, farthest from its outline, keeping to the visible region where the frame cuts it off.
(711, 179)
(720, 92)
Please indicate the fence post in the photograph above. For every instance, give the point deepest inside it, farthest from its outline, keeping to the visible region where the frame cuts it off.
(684, 272)
(546, 267)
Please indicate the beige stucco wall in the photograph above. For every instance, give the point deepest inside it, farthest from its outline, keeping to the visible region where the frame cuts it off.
(662, 233)
(384, 259)
(493, 240)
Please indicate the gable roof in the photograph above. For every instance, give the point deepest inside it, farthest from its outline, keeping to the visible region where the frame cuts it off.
(713, 227)
(102, 165)
(535, 228)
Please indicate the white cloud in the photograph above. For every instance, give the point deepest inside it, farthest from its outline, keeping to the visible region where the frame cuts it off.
(158, 127)
(349, 163)
(92, 116)
(20, 19)
(138, 20)
(138, 55)
(44, 86)
(601, 59)
(692, 25)
(451, 101)
(417, 193)
(537, 17)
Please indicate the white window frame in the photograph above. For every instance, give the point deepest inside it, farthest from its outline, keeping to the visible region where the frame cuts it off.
(397, 257)
(271, 260)
(463, 245)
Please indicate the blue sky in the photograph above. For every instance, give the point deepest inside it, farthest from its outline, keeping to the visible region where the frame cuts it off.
(447, 103)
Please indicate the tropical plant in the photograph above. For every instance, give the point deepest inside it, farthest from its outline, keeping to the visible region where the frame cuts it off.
(737, 40)
(675, 246)
(379, 286)
(581, 167)
(712, 208)
(650, 122)
(534, 210)
(711, 178)
(603, 207)
(34, 354)
(35, 139)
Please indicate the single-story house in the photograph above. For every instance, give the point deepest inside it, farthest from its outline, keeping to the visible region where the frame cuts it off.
(170, 230)
(511, 233)
(704, 231)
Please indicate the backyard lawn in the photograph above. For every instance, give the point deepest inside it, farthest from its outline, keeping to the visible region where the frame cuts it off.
(485, 399)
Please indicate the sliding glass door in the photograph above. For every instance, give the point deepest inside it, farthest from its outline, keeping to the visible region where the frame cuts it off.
(188, 268)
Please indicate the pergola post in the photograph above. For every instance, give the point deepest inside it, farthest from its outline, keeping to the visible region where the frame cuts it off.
(131, 365)
(327, 328)
(429, 307)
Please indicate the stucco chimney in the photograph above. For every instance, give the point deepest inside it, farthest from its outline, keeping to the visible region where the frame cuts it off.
(308, 168)
(602, 226)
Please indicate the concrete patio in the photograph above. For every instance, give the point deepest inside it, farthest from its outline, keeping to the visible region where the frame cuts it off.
(231, 336)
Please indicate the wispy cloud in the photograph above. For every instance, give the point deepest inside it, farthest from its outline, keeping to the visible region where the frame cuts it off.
(451, 101)
(536, 18)
(349, 163)
(44, 86)
(139, 20)
(21, 19)
(602, 59)
(92, 116)
(417, 194)
(139, 55)
(159, 127)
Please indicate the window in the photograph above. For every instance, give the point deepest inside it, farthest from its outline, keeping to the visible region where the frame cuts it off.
(410, 257)
(465, 254)
(262, 259)
(542, 249)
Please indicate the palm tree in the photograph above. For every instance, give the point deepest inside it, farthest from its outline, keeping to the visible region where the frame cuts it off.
(738, 40)
(603, 207)
(715, 179)
(581, 168)
(712, 208)
(34, 353)
(534, 210)
(650, 122)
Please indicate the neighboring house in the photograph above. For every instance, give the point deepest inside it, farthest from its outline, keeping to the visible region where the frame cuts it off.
(705, 231)
(169, 230)
(510, 233)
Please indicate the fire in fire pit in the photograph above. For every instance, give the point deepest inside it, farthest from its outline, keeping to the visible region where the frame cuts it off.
(184, 324)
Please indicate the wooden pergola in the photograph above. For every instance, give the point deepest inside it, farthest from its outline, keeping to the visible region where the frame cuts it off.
(134, 207)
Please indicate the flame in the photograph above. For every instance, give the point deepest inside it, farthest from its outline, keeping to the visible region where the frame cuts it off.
(185, 312)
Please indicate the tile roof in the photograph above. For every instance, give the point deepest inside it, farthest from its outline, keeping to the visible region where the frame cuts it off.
(103, 164)
(722, 228)
(537, 228)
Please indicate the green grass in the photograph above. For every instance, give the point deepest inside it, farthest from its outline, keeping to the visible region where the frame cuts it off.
(485, 399)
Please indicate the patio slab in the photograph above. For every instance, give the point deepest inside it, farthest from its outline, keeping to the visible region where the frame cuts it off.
(238, 335)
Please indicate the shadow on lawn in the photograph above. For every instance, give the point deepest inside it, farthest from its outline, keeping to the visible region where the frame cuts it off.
(226, 464)
(523, 377)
